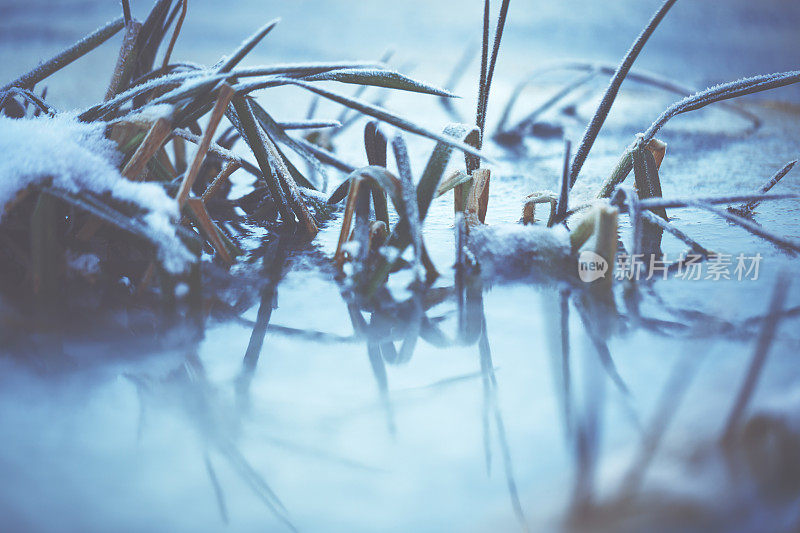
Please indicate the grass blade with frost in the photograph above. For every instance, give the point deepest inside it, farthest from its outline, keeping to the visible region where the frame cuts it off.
(178, 77)
(486, 82)
(386, 116)
(247, 46)
(309, 124)
(722, 92)
(437, 163)
(563, 196)
(375, 143)
(291, 190)
(668, 226)
(668, 203)
(426, 191)
(778, 176)
(752, 227)
(327, 158)
(175, 33)
(30, 97)
(379, 78)
(274, 131)
(148, 41)
(344, 115)
(81, 48)
(593, 129)
(482, 77)
(302, 69)
(410, 199)
(252, 135)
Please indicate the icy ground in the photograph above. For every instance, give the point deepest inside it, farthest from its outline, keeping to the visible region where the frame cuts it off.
(94, 449)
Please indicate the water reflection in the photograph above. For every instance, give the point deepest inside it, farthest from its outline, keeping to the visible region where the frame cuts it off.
(596, 408)
(391, 328)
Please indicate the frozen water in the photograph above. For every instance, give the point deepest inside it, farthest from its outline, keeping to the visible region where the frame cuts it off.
(119, 443)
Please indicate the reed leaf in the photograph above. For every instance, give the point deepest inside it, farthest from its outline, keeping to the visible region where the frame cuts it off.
(247, 46)
(77, 50)
(724, 91)
(379, 78)
(274, 131)
(593, 129)
(386, 116)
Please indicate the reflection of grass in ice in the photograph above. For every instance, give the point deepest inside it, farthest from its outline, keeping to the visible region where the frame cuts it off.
(188, 390)
(367, 257)
(150, 111)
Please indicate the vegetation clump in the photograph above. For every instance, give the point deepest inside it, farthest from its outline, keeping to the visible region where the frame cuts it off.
(110, 206)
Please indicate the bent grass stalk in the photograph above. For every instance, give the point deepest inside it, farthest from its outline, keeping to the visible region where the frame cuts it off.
(593, 129)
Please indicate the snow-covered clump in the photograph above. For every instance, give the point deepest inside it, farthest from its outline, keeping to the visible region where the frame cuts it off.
(514, 251)
(78, 157)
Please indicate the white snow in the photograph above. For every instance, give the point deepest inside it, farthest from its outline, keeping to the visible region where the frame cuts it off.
(150, 113)
(78, 157)
(175, 78)
(311, 194)
(510, 251)
(86, 264)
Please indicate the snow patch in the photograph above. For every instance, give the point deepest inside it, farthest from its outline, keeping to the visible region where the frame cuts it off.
(78, 157)
(514, 251)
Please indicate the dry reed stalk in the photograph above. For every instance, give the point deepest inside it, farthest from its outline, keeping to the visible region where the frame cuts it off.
(210, 229)
(175, 34)
(133, 170)
(81, 48)
(214, 148)
(347, 219)
(229, 168)
(226, 92)
(529, 206)
(293, 194)
(477, 199)
(158, 133)
(132, 30)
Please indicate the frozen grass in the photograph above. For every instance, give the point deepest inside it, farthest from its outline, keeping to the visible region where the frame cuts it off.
(75, 157)
(115, 145)
(121, 170)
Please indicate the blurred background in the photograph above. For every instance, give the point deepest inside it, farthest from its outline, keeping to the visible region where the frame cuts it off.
(700, 43)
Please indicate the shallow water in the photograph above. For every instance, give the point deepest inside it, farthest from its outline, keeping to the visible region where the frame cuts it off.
(121, 438)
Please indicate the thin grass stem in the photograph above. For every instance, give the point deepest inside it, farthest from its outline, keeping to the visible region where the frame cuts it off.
(611, 93)
(77, 50)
